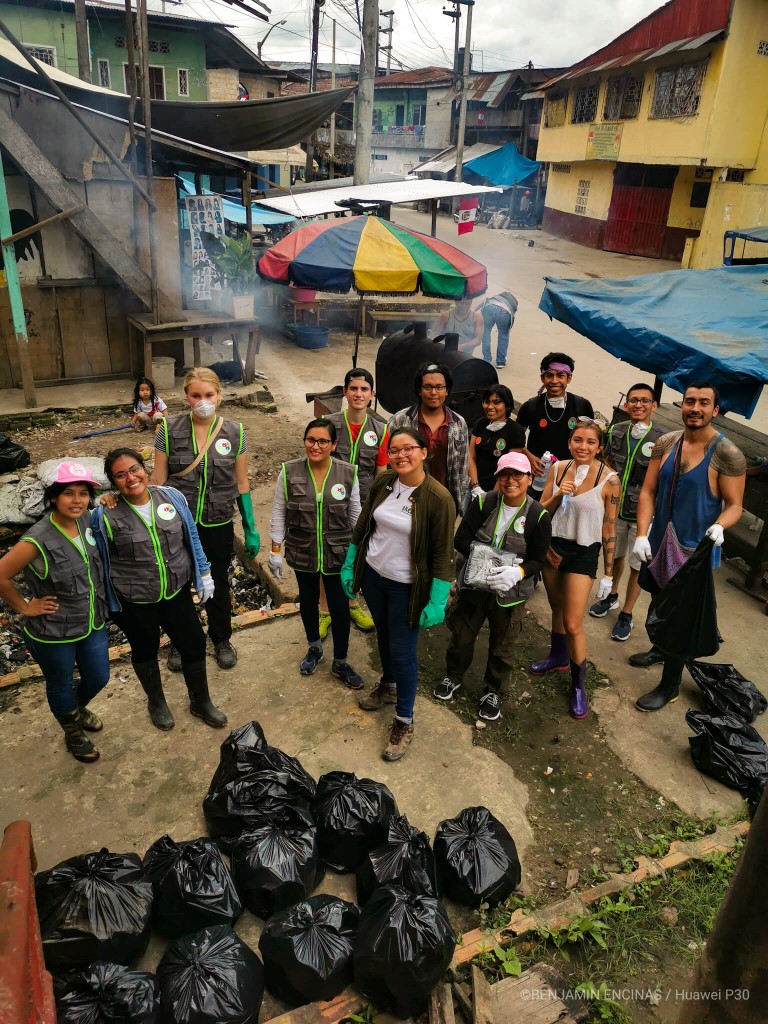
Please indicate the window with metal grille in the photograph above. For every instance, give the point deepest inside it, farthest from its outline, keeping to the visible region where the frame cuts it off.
(561, 168)
(554, 111)
(120, 42)
(585, 104)
(582, 195)
(45, 54)
(183, 80)
(105, 79)
(734, 174)
(762, 48)
(622, 97)
(678, 90)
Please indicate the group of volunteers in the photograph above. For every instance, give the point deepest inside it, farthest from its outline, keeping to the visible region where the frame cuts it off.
(135, 558)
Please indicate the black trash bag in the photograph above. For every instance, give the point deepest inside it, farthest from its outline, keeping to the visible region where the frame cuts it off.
(253, 779)
(192, 886)
(406, 859)
(109, 994)
(276, 862)
(12, 456)
(682, 617)
(307, 949)
(352, 816)
(210, 977)
(97, 906)
(726, 691)
(730, 751)
(476, 858)
(403, 947)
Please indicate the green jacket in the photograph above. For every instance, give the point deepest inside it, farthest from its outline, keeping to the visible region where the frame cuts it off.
(432, 551)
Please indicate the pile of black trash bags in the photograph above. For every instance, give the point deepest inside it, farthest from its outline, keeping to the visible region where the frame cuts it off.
(281, 831)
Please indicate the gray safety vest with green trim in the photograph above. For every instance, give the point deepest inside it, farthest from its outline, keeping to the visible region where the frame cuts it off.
(512, 540)
(363, 452)
(318, 532)
(74, 577)
(211, 488)
(631, 463)
(147, 562)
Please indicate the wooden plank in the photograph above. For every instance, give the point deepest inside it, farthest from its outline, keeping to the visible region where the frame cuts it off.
(464, 1000)
(83, 326)
(323, 1013)
(535, 997)
(42, 330)
(93, 231)
(441, 1005)
(482, 999)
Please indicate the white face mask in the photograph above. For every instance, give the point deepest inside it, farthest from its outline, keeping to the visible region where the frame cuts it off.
(495, 425)
(204, 410)
(638, 429)
(557, 403)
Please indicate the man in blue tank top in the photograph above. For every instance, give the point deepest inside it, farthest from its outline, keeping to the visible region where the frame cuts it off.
(706, 499)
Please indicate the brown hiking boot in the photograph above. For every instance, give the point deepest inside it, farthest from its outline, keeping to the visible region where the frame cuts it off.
(89, 721)
(78, 744)
(381, 694)
(400, 738)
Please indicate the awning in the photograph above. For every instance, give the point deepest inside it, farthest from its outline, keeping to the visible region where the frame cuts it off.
(445, 162)
(537, 94)
(682, 325)
(292, 156)
(506, 166)
(234, 211)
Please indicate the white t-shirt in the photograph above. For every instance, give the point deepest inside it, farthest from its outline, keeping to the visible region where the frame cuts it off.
(148, 407)
(145, 511)
(389, 550)
(505, 517)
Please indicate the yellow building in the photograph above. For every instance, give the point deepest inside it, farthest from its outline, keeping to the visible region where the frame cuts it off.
(662, 135)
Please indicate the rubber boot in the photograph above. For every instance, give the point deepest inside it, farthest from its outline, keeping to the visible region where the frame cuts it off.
(151, 683)
(78, 744)
(200, 703)
(579, 703)
(556, 660)
(668, 689)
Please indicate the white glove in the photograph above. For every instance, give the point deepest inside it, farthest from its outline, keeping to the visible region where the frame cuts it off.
(477, 490)
(605, 587)
(503, 577)
(642, 549)
(275, 563)
(207, 592)
(716, 534)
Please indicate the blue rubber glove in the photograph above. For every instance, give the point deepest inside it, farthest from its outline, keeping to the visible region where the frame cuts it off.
(251, 534)
(348, 572)
(434, 613)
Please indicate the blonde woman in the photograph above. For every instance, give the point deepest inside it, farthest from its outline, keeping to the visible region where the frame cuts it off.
(211, 484)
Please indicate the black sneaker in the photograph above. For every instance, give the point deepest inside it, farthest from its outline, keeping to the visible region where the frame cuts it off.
(344, 671)
(225, 654)
(623, 627)
(601, 608)
(311, 660)
(490, 707)
(445, 689)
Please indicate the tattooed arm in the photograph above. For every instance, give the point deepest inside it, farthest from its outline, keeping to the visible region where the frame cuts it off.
(731, 468)
(612, 500)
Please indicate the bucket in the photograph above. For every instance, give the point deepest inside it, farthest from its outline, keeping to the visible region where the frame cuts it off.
(311, 337)
(163, 373)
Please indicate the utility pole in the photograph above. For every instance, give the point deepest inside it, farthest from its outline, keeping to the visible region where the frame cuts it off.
(83, 49)
(388, 32)
(456, 15)
(317, 4)
(332, 141)
(464, 89)
(364, 107)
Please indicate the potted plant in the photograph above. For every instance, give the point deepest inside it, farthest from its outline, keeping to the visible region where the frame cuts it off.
(234, 265)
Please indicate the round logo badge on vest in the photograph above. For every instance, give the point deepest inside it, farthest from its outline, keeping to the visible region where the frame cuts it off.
(89, 537)
(647, 449)
(339, 492)
(501, 444)
(571, 422)
(223, 446)
(370, 438)
(520, 525)
(167, 511)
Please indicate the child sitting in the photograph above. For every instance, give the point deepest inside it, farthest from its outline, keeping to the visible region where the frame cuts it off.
(148, 408)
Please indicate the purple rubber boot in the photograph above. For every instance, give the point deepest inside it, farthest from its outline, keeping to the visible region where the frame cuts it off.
(579, 704)
(556, 660)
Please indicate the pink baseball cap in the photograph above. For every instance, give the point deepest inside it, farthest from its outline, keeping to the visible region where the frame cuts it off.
(75, 473)
(513, 460)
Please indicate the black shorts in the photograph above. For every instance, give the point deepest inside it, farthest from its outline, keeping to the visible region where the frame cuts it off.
(580, 559)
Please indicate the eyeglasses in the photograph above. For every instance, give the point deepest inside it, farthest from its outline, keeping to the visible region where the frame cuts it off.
(433, 387)
(133, 471)
(320, 442)
(407, 449)
(640, 401)
(516, 474)
(492, 401)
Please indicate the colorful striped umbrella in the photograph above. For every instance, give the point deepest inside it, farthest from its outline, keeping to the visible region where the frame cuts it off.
(373, 256)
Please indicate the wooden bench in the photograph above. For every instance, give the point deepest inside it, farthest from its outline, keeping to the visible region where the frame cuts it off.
(412, 315)
(145, 333)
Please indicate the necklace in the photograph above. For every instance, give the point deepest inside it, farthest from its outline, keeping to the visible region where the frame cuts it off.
(546, 412)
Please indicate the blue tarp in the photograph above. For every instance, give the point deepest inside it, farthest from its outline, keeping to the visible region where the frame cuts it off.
(682, 325)
(504, 166)
(236, 211)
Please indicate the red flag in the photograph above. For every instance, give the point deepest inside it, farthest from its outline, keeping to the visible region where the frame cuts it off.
(467, 211)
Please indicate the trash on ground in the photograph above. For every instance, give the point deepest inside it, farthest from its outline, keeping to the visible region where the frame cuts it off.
(477, 858)
(730, 751)
(726, 692)
(108, 994)
(352, 816)
(406, 859)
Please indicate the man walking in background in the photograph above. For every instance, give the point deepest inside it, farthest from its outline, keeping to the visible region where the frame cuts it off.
(499, 312)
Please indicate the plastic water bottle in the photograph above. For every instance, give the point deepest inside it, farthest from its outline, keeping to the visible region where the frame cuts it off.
(547, 460)
(578, 479)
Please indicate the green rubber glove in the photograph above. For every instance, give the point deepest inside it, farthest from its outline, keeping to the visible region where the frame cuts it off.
(348, 572)
(252, 539)
(434, 613)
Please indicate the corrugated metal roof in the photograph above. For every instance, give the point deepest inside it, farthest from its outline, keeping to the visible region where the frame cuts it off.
(492, 88)
(446, 161)
(419, 76)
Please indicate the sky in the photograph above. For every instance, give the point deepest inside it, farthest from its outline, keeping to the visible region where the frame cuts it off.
(505, 33)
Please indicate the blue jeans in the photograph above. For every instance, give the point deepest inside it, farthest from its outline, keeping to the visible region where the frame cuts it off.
(58, 660)
(387, 602)
(495, 316)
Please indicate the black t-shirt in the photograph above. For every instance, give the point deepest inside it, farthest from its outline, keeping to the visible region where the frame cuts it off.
(549, 429)
(490, 445)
